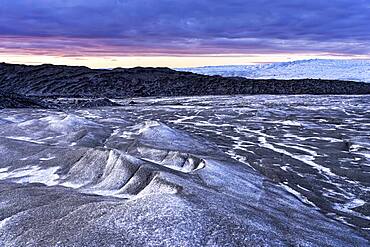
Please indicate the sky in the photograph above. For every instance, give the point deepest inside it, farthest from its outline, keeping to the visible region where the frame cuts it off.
(186, 33)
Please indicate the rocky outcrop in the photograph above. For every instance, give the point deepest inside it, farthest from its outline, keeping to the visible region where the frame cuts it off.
(16, 101)
(20, 101)
(68, 81)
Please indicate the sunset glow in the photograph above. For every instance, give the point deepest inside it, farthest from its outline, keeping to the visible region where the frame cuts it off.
(118, 33)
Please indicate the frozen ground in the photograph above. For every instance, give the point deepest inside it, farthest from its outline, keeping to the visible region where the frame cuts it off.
(347, 70)
(191, 171)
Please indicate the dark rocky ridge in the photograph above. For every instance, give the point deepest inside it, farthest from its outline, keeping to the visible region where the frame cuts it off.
(21, 101)
(16, 101)
(67, 81)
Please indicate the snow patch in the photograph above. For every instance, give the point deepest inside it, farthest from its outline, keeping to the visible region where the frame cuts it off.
(31, 174)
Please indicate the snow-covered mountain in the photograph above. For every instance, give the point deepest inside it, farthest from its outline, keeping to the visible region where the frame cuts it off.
(353, 70)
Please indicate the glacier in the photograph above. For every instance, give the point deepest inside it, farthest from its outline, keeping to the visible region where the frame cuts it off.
(257, 170)
(330, 69)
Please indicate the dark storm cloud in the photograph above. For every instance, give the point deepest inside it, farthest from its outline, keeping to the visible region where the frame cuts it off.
(188, 26)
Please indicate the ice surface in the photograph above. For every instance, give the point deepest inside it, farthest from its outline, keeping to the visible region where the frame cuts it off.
(31, 174)
(238, 171)
(350, 70)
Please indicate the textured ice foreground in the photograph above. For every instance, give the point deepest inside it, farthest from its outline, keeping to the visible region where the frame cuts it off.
(238, 171)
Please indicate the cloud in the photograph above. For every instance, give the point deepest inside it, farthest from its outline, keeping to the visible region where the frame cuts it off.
(121, 27)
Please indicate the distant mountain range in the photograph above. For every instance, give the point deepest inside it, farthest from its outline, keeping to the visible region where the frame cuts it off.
(347, 70)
